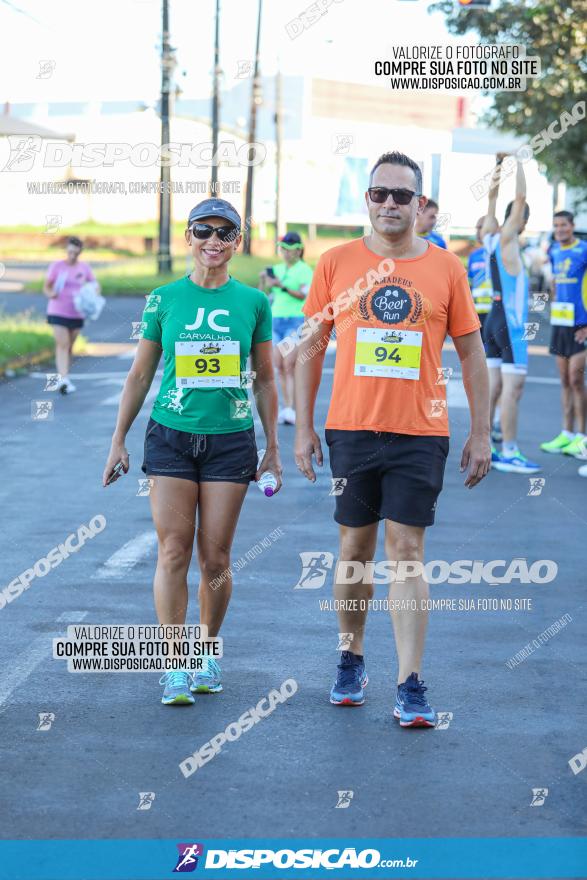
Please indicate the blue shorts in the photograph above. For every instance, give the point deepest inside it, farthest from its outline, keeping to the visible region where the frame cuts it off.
(283, 327)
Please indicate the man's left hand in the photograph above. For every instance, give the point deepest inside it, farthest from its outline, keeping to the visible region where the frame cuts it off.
(477, 458)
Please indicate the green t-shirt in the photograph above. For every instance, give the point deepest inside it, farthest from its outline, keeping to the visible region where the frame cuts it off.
(206, 337)
(295, 277)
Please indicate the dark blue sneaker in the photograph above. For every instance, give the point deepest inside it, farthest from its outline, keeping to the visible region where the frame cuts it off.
(351, 678)
(411, 706)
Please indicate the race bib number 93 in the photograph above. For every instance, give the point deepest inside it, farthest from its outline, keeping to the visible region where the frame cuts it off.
(207, 364)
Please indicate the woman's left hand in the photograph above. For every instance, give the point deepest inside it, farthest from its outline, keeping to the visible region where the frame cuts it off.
(271, 462)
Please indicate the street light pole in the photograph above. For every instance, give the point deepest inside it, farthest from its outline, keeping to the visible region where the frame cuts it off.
(215, 104)
(278, 136)
(164, 253)
(255, 99)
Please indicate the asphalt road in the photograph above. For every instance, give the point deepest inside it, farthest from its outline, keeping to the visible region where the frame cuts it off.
(511, 730)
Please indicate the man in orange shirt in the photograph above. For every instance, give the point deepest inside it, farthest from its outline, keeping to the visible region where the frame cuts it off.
(392, 298)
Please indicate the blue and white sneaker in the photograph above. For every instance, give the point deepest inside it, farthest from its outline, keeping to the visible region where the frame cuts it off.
(411, 706)
(494, 455)
(515, 464)
(351, 678)
(207, 680)
(177, 688)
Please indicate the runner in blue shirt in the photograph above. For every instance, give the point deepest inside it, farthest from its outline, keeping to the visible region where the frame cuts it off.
(425, 223)
(568, 317)
(505, 328)
(479, 280)
(480, 284)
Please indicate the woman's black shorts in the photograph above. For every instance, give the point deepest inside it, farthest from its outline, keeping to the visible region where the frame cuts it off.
(202, 458)
(70, 323)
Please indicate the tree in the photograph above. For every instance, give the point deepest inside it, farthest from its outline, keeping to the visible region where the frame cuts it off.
(556, 32)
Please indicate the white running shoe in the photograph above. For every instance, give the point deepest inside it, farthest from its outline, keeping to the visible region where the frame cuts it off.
(290, 415)
(281, 416)
(583, 470)
(67, 386)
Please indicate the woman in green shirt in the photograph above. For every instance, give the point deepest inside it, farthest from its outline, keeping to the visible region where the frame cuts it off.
(200, 451)
(289, 285)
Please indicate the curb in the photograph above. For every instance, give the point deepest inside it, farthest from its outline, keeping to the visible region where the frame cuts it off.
(29, 360)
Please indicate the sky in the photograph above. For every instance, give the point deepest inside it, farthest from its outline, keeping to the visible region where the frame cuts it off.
(108, 50)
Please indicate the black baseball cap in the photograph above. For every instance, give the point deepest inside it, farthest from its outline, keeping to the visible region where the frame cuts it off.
(291, 240)
(215, 208)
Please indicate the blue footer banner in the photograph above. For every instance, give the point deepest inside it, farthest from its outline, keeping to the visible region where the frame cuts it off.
(270, 859)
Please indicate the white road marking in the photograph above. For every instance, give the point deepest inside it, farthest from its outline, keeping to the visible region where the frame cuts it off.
(114, 399)
(114, 375)
(456, 396)
(72, 616)
(23, 666)
(537, 380)
(125, 559)
(543, 380)
(111, 374)
(27, 662)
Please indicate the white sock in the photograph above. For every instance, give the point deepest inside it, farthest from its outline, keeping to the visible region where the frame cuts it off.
(568, 434)
(509, 448)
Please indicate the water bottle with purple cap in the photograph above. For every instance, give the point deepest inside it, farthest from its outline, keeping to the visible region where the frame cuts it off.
(268, 482)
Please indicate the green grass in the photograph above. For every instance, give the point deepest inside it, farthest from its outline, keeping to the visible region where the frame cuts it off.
(22, 335)
(138, 277)
(49, 254)
(146, 228)
(150, 229)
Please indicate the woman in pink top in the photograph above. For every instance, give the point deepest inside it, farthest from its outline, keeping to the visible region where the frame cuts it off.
(64, 279)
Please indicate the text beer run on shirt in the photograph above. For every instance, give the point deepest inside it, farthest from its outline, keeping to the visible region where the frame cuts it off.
(389, 356)
(206, 336)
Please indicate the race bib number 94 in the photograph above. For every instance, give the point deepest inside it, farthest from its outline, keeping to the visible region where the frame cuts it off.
(390, 354)
(207, 364)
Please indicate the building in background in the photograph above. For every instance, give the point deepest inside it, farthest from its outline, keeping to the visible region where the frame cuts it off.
(332, 133)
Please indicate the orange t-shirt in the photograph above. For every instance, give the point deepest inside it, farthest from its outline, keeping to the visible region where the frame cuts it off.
(391, 319)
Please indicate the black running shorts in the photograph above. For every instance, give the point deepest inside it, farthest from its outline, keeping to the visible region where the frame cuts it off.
(202, 458)
(379, 475)
(70, 323)
(563, 343)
